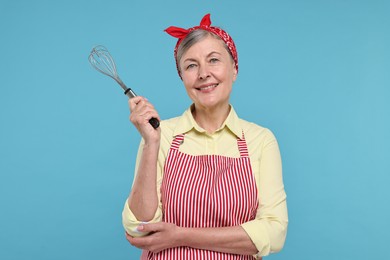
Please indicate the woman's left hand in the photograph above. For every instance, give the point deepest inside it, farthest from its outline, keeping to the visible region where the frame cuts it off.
(163, 235)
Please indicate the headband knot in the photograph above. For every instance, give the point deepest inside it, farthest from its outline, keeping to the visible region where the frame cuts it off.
(206, 21)
(205, 24)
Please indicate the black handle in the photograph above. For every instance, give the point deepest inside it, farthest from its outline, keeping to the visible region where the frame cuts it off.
(154, 122)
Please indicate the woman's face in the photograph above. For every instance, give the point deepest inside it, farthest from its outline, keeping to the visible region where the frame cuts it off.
(208, 73)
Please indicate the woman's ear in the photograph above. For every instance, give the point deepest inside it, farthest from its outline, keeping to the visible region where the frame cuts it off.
(234, 72)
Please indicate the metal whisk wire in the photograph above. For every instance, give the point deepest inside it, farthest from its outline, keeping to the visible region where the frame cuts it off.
(103, 62)
(101, 59)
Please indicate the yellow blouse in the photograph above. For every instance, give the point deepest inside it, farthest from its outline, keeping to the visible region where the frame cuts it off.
(268, 231)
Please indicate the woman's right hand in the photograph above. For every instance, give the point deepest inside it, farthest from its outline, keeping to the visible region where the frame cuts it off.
(141, 112)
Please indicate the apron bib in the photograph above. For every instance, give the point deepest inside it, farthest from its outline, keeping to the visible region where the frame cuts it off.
(206, 191)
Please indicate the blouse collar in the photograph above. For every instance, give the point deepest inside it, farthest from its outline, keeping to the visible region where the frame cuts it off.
(187, 123)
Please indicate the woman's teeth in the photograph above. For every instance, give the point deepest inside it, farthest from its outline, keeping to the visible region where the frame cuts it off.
(208, 87)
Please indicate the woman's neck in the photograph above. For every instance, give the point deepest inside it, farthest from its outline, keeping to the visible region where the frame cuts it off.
(210, 119)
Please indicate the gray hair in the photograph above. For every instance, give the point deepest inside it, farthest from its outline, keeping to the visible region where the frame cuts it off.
(191, 39)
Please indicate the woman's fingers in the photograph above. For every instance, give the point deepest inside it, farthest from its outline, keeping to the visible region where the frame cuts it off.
(143, 116)
(152, 227)
(161, 237)
(141, 110)
(137, 102)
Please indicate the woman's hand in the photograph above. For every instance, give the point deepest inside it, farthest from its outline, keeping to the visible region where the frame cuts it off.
(163, 236)
(231, 240)
(141, 112)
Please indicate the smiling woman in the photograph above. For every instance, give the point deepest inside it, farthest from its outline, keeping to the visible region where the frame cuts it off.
(208, 184)
(208, 73)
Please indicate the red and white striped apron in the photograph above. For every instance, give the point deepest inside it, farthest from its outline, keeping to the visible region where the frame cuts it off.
(206, 191)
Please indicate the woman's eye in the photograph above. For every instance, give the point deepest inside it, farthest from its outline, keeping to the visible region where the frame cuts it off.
(191, 66)
(213, 60)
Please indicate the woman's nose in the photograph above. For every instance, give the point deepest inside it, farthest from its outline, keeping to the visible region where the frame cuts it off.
(204, 72)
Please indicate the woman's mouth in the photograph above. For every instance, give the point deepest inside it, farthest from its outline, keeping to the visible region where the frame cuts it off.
(206, 88)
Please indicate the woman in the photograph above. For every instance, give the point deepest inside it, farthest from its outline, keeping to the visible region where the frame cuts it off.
(208, 184)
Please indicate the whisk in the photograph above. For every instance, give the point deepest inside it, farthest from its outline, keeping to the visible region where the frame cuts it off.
(102, 61)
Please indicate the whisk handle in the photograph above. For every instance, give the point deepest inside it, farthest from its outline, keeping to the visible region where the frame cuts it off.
(130, 93)
(153, 121)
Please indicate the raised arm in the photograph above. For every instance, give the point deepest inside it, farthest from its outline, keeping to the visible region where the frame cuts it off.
(143, 199)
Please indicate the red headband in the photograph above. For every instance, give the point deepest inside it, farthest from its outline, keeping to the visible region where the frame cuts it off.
(181, 33)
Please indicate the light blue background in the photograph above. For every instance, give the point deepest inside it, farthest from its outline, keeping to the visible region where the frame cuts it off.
(315, 72)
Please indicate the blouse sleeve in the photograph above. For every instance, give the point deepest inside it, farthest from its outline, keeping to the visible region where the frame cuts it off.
(129, 221)
(268, 230)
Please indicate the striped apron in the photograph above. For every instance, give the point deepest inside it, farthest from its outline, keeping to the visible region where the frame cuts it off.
(206, 191)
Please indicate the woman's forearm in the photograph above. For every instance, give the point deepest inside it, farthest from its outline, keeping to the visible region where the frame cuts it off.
(143, 199)
(233, 240)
